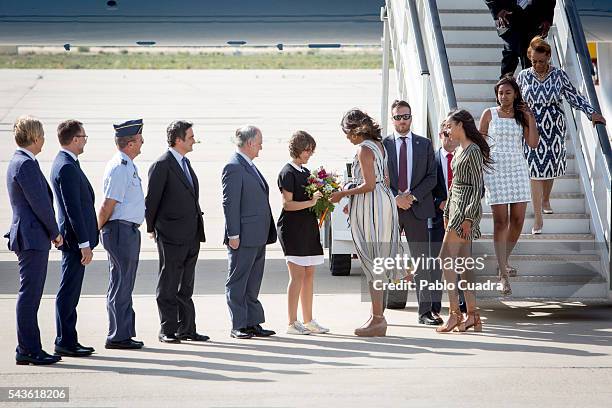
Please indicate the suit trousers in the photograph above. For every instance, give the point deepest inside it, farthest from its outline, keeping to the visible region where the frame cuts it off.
(246, 268)
(122, 243)
(436, 236)
(416, 234)
(32, 275)
(68, 298)
(175, 287)
(516, 42)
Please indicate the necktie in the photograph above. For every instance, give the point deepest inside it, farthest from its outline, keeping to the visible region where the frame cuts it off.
(186, 170)
(449, 169)
(259, 176)
(78, 164)
(523, 3)
(403, 167)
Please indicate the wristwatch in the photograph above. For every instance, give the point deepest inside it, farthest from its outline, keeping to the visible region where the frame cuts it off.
(413, 198)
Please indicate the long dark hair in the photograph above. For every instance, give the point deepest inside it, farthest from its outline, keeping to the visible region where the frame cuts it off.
(471, 132)
(361, 124)
(519, 115)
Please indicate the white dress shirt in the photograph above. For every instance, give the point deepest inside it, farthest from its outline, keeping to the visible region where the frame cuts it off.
(29, 153)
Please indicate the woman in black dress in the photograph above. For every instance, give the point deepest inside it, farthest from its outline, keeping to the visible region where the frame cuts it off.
(298, 233)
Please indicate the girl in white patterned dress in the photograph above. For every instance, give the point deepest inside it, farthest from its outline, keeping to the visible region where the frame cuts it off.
(373, 212)
(507, 183)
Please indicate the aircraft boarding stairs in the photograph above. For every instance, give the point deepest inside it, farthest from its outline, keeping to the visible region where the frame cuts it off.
(446, 53)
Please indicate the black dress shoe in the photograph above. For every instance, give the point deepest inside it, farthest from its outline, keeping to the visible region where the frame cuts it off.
(258, 331)
(240, 334)
(74, 351)
(138, 342)
(429, 320)
(168, 338)
(86, 347)
(128, 344)
(193, 337)
(40, 358)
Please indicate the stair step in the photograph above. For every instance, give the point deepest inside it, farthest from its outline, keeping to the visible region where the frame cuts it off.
(553, 223)
(479, 53)
(476, 81)
(468, 18)
(464, 71)
(475, 91)
(470, 34)
(571, 258)
(563, 203)
(497, 46)
(461, 5)
(568, 287)
(470, 28)
(567, 216)
(484, 11)
(548, 237)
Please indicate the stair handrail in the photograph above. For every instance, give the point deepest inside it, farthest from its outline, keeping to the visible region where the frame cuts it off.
(586, 68)
(591, 145)
(416, 30)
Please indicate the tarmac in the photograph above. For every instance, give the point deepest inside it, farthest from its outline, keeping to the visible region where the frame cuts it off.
(529, 354)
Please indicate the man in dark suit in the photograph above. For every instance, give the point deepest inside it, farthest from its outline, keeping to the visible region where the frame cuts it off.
(518, 21)
(174, 220)
(79, 226)
(412, 174)
(443, 157)
(33, 228)
(249, 227)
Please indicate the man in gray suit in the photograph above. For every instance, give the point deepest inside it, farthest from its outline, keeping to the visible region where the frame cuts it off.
(412, 175)
(249, 227)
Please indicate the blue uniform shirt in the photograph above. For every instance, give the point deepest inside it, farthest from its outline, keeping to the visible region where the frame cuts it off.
(122, 184)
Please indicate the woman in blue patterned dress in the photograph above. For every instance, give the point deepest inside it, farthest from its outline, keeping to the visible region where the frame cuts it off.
(506, 127)
(543, 87)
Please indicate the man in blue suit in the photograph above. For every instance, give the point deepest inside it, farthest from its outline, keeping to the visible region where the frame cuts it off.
(249, 227)
(79, 226)
(33, 228)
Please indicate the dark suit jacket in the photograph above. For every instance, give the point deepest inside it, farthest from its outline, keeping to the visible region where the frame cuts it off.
(439, 192)
(538, 11)
(33, 226)
(172, 207)
(75, 202)
(423, 173)
(246, 205)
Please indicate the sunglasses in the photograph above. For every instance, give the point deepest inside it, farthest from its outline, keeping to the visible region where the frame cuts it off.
(406, 116)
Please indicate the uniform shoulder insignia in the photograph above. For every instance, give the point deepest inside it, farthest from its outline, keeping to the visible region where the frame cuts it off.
(124, 162)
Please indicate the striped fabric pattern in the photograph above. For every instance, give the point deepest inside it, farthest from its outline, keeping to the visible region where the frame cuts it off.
(464, 196)
(373, 218)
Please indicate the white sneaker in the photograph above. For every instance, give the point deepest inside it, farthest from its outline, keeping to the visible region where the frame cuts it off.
(315, 327)
(297, 328)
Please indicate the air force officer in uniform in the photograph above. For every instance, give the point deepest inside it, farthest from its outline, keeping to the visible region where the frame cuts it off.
(121, 214)
(249, 227)
(33, 228)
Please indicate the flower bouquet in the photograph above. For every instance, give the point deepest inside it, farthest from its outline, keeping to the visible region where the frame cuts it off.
(326, 183)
